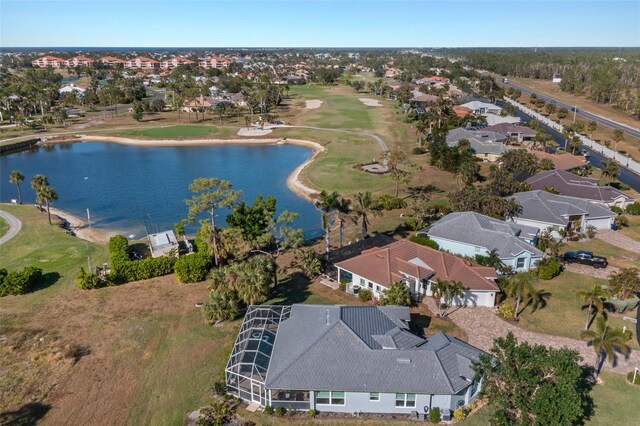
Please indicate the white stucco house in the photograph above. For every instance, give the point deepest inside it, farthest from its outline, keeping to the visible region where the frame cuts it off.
(542, 210)
(471, 234)
(418, 267)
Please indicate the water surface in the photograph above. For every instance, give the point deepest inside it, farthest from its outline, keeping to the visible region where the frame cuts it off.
(133, 189)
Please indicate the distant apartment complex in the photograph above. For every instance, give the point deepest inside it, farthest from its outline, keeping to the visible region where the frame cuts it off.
(139, 63)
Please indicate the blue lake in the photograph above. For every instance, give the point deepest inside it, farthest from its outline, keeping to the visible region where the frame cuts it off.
(135, 189)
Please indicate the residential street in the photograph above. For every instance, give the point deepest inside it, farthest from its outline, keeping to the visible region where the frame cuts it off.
(598, 119)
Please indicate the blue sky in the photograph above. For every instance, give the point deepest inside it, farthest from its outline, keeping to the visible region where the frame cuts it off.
(320, 23)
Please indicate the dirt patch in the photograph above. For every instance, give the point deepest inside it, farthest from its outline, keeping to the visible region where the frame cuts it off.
(370, 102)
(313, 104)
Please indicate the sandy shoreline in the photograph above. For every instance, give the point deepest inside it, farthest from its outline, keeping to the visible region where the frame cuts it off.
(80, 226)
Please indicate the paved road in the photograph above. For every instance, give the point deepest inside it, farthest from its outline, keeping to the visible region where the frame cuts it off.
(597, 118)
(14, 226)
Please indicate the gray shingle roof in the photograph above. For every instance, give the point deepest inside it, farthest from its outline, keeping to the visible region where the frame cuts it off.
(550, 208)
(316, 349)
(480, 141)
(575, 186)
(484, 231)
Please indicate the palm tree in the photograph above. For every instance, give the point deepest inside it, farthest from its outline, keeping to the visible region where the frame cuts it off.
(256, 276)
(37, 182)
(344, 211)
(610, 170)
(606, 340)
(521, 287)
(592, 297)
(397, 294)
(365, 207)
(16, 178)
(47, 195)
(445, 292)
(327, 204)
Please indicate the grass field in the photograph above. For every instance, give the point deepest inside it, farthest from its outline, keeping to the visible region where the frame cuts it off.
(179, 132)
(633, 230)
(564, 316)
(4, 227)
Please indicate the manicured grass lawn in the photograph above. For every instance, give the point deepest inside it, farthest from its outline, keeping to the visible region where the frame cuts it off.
(4, 227)
(48, 247)
(178, 132)
(615, 255)
(633, 230)
(564, 316)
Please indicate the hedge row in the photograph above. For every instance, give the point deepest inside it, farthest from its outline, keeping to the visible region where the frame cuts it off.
(124, 270)
(12, 283)
(193, 268)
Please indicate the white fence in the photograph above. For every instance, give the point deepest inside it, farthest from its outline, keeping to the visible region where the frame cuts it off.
(627, 162)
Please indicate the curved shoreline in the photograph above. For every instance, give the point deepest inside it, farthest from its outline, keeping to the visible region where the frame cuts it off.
(293, 180)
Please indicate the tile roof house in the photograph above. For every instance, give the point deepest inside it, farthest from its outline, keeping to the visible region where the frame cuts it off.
(461, 111)
(519, 133)
(142, 63)
(417, 267)
(348, 359)
(471, 234)
(562, 161)
(544, 210)
(78, 61)
(567, 183)
(49, 61)
(485, 144)
(175, 62)
(112, 60)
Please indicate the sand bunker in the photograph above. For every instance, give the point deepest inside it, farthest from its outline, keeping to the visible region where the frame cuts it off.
(253, 131)
(313, 104)
(370, 102)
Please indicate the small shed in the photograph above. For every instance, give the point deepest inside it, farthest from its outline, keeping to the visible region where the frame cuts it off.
(162, 243)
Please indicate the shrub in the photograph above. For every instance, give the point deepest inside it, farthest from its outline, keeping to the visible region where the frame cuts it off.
(414, 223)
(632, 209)
(549, 268)
(89, 281)
(434, 415)
(13, 283)
(221, 305)
(461, 413)
(193, 267)
(630, 378)
(424, 241)
(124, 270)
(312, 413)
(616, 209)
(506, 311)
(365, 295)
(418, 150)
(621, 222)
(309, 262)
(220, 388)
(398, 294)
(343, 285)
(268, 409)
(389, 202)
(279, 411)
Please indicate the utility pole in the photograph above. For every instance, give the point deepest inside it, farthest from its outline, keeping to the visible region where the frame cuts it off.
(575, 108)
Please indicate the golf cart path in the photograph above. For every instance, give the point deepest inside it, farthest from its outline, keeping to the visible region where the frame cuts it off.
(14, 226)
(483, 326)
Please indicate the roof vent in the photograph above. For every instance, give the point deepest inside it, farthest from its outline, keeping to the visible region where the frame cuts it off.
(403, 360)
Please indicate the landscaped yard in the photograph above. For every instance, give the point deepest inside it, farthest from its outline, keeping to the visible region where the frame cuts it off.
(564, 316)
(616, 256)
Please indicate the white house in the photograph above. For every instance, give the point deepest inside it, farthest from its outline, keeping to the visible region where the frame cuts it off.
(542, 210)
(418, 267)
(479, 107)
(471, 234)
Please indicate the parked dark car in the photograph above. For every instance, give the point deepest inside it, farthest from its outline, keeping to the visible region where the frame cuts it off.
(585, 258)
